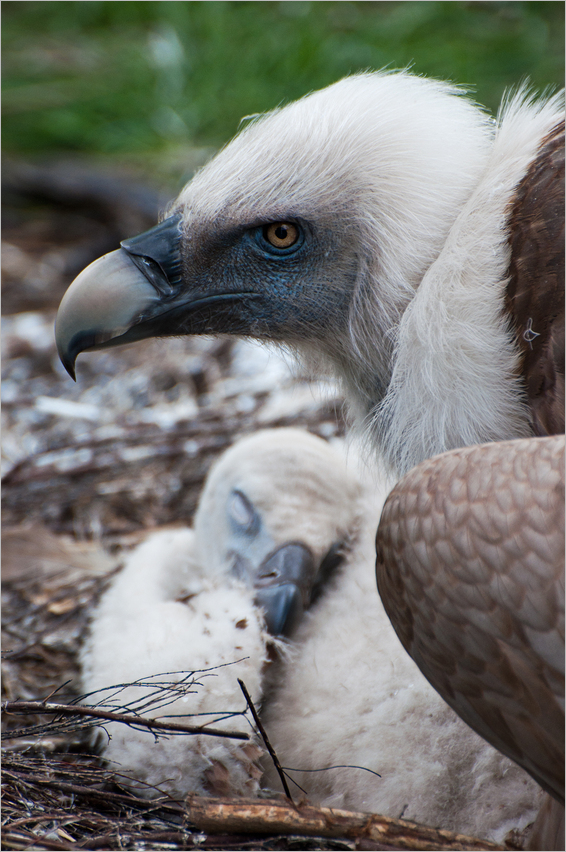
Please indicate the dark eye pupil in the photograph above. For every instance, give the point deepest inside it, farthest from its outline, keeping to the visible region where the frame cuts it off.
(281, 235)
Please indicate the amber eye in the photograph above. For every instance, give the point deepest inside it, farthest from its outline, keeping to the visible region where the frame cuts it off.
(281, 235)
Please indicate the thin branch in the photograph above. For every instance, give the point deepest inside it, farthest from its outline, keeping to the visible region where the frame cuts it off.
(26, 841)
(40, 707)
(265, 738)
(57, 689)
(335, 766)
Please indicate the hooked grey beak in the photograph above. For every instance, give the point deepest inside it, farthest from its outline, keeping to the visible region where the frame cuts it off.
(139, 291)
(109, 300)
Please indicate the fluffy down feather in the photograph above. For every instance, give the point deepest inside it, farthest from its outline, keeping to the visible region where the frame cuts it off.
(163, 616)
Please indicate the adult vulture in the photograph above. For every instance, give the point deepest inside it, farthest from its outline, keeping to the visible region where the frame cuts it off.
(281, 516)
(392, 233)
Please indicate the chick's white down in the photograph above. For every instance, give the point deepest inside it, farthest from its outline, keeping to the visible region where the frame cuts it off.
(346, 691)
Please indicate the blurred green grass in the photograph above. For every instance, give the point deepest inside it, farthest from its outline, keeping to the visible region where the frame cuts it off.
(139, 77)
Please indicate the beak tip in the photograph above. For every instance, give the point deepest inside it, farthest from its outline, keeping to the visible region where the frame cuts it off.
(282, 608)
(69, 367)
(67, 359)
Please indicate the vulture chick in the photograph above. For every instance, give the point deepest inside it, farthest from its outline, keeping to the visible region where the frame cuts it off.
(344, 691)
(194, 600)
(392, 233)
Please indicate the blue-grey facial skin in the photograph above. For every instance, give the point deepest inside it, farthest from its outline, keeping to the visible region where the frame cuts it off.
(278, 294)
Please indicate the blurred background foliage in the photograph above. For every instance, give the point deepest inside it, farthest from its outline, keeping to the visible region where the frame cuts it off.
(140, 78)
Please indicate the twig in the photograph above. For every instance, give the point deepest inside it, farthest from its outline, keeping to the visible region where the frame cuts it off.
(250, 816)
(40, 707)
(265, 738)
(27, 841)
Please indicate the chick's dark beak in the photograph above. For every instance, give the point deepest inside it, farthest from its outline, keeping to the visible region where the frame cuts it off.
(284, 586)
(115, 299)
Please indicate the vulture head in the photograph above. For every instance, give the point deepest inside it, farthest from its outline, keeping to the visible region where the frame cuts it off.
(251, 524)
(316, 227)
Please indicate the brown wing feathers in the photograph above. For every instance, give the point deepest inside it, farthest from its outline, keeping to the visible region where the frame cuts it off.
(535, 292)
(470, 557)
